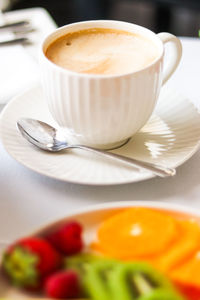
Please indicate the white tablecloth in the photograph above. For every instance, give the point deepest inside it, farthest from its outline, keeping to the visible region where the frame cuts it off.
(28, 200)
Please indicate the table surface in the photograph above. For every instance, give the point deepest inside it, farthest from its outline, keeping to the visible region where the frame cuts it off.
(28, 200)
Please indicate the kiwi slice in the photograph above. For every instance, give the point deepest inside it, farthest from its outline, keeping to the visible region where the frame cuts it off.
(139, 281)
(97, 279)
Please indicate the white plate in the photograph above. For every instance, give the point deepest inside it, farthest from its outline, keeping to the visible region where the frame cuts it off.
(90, 218)
(169, 138)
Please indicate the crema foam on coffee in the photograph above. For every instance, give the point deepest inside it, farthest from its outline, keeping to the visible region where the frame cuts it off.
(102, 51)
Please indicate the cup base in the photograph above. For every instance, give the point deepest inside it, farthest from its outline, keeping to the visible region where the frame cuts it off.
(116, 145)
(80, 141)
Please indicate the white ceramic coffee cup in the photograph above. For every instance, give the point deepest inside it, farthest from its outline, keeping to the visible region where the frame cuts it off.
(105, 110)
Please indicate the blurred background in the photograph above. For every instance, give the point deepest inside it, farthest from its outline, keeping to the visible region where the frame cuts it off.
(180, 17)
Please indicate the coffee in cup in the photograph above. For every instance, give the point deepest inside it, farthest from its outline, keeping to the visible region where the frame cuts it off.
(102, 51)
(101, 79)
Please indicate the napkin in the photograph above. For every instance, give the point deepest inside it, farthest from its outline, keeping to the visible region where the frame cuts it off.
(18, 70)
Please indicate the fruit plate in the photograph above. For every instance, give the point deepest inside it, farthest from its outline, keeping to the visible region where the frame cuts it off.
(90, 218)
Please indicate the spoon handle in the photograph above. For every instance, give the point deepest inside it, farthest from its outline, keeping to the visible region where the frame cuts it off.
(153, 168)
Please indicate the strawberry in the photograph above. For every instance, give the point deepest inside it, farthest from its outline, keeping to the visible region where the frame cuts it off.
(63, 285)
(67, 239)
(29, 260)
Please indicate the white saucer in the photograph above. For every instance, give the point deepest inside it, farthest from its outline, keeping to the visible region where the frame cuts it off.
(170, 138)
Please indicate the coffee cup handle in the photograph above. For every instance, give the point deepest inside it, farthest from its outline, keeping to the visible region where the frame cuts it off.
(176, 54)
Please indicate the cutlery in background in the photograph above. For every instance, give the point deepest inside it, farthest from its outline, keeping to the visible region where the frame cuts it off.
(15, 41)
(14, 25)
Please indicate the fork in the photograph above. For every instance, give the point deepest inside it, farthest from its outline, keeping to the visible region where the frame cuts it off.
(18, 27)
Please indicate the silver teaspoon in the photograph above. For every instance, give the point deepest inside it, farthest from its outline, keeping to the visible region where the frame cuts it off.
(51, 139)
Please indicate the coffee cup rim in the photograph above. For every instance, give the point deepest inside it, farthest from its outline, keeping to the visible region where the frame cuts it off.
(55, 34)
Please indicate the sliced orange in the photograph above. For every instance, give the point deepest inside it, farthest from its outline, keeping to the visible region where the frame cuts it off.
(188, 273)
(182, 248)
(136, 233)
